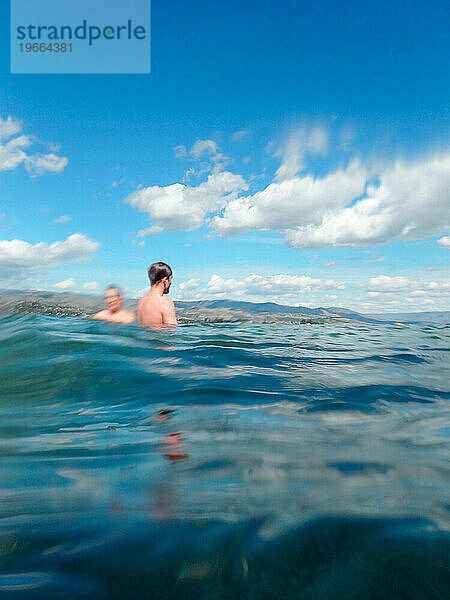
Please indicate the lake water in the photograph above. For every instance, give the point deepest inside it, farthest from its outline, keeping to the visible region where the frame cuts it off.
(298, 462)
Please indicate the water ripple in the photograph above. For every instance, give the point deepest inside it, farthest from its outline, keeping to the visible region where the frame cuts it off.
(245, 461)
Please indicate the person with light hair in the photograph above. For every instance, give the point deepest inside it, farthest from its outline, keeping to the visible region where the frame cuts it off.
(114, 313)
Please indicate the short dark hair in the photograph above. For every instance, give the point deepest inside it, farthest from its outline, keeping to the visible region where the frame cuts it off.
(158, 271)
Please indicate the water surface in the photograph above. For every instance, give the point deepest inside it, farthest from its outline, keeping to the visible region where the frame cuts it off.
(298, 462)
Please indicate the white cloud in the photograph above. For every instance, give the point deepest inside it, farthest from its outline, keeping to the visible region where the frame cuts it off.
(409, 202)
(150, 231)
(9, 127)
(272, 284)
(239, 135)
(444, 242)
(284, 289)
(53, 147)
(40, 163)
(281, 206)
(12, 152)
(180, 151)
(190, 284)
(385, 283)
(91, 286)
(353, 205)
(67, 284)
(202, 148)
(63, 219)
(116, 182)
(409, 294)
(346, 137)
(179, 206)
(20, 256)
(299, 143)
(437, 286)
(207, 149)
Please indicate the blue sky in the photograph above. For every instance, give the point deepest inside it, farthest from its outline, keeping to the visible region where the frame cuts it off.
(294, 152)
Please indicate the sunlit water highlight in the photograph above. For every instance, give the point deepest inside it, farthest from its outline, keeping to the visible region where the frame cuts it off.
(299, 462)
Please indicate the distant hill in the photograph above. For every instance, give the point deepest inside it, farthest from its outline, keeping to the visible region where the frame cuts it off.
(84, 305)
(271, 308)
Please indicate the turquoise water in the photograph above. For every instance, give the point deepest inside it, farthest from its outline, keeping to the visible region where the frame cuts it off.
(299, 461)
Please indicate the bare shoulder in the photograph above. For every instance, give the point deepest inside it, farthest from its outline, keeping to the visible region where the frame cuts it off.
(129, 316)
(100, 316)
(168, 310)
(167, 302)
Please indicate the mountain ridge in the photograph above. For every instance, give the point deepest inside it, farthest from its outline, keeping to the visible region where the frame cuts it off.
(223, 310)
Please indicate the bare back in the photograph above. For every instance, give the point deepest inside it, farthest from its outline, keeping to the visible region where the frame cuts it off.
(155, 311)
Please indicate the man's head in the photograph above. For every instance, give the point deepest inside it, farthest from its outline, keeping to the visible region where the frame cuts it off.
(160, 274)
(113, 298)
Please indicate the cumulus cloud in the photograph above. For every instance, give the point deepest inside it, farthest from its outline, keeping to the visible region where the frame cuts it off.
(67, 284)
(190, 284)
(287, 289)
(352, 205)
(179, 206)
(410, 295)
(381, 293)
(444, 242)
(345, 208)
(272, 284)
(63, 219)
(284, 204)
(12, 152)
(385, 283)
(21, 256)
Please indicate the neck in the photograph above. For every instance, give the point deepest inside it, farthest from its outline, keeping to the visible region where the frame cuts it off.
(157, 289)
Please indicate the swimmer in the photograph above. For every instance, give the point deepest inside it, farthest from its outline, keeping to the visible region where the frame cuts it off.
(153, 310)
(114, 312)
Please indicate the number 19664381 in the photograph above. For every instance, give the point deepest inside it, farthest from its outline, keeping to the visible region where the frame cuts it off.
(43, 47)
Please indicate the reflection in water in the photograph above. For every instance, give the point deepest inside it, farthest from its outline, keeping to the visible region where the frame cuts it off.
(247, 462)
(173, 447)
